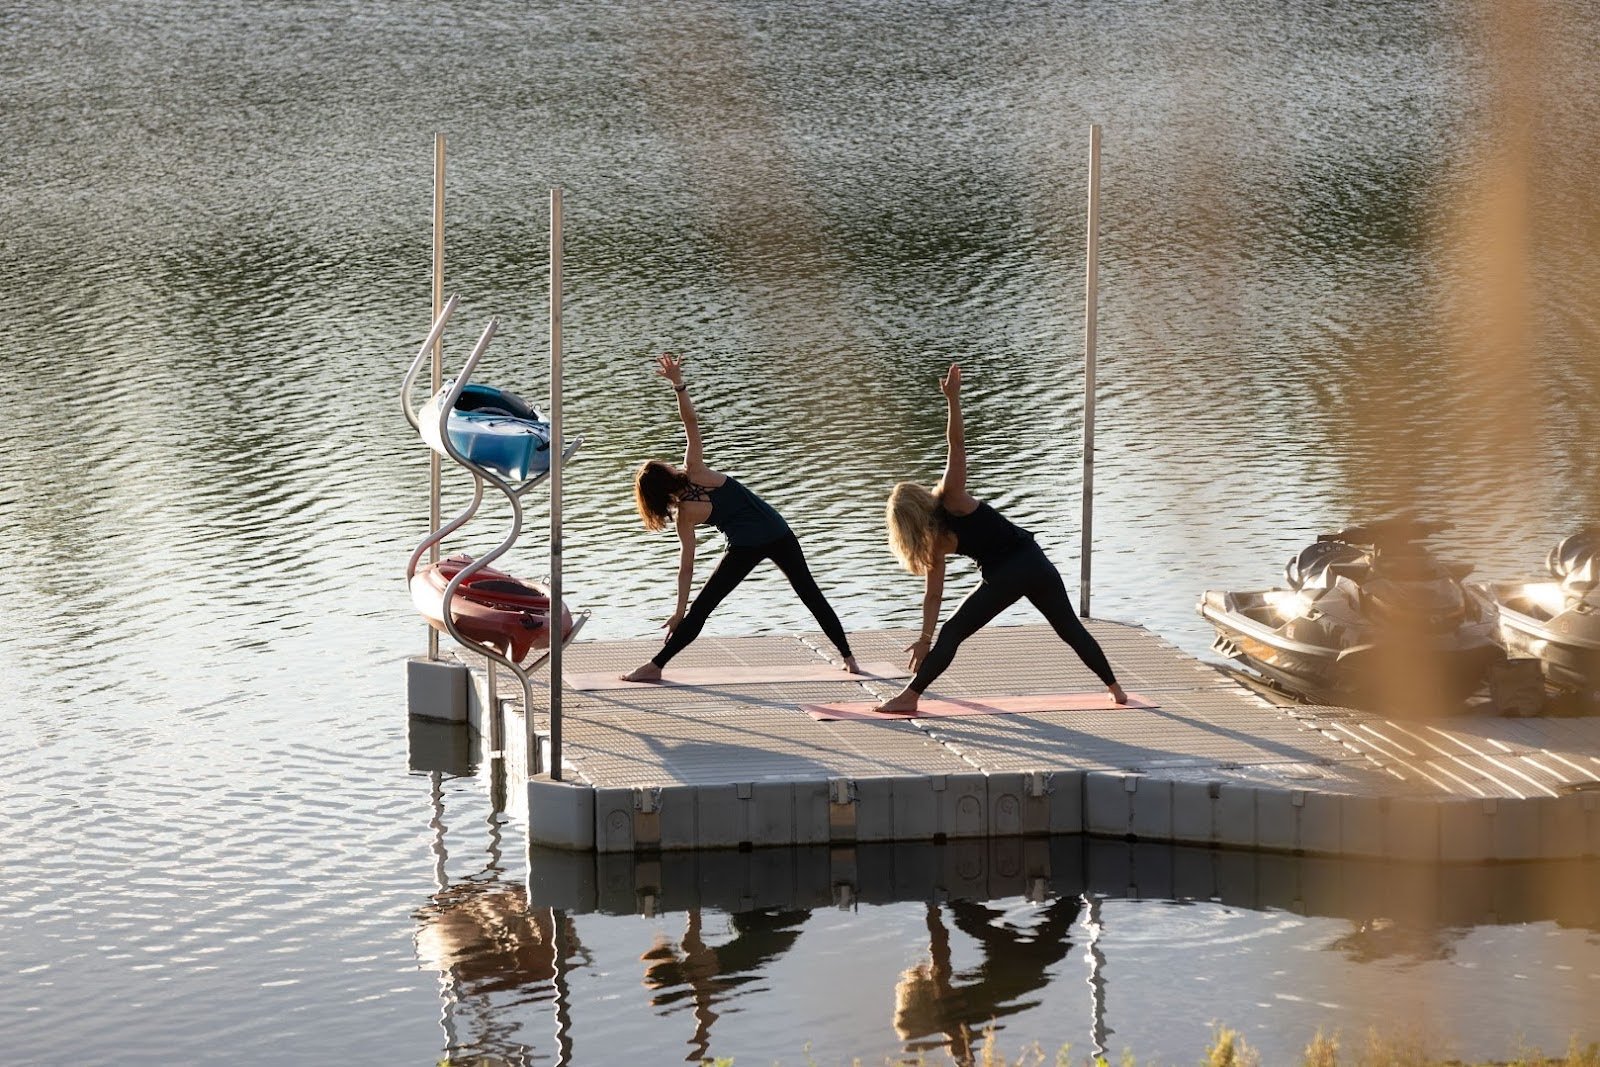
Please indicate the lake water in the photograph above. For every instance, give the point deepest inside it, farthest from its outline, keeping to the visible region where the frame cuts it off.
(1349, 264)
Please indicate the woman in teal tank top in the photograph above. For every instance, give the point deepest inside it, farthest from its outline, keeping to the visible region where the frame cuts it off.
(926, 525)
(695, 495)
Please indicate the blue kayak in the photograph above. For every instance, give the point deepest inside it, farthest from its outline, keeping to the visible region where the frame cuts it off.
(493, 428)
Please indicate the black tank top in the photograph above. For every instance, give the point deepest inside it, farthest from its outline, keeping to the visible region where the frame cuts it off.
(745, 519)
(985, 534)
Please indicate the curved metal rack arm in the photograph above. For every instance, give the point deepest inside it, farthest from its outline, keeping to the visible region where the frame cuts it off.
(422, 354)
(566, 454)
(438, 536)
(577, 624)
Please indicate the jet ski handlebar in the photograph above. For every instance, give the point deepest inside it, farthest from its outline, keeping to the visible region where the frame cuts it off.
(1386, 533)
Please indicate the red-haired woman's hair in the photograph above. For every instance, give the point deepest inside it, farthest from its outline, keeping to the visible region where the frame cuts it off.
(654, 486)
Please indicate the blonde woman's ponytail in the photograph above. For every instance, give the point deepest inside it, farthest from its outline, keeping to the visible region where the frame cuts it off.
(912, 517)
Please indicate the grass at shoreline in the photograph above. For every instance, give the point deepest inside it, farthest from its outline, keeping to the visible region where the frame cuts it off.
(1229, 1049)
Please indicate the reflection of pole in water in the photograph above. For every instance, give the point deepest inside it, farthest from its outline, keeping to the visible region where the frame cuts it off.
(1099, 1031)
(437, 826)
(497, 783)
(495, 866)
(447, 977)
(558, 922)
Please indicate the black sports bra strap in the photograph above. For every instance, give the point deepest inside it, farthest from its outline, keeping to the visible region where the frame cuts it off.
(692, 493)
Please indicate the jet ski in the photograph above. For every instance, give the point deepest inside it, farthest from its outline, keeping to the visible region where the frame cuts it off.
(1556, 620)
(1369, 618)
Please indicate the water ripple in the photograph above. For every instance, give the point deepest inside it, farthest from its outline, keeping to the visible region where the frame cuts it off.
(216, 267)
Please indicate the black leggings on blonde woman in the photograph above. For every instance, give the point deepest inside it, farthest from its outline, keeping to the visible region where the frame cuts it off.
(734, 567)
(1026, 572)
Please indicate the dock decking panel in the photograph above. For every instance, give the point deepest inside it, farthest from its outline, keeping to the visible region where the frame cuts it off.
(1022, 660)
(1476, 757)
(719, 746)
(701, 766)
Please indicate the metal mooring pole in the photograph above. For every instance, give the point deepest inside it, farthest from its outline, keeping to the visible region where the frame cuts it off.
(1091, 301)
(437, 377)
(556, 610)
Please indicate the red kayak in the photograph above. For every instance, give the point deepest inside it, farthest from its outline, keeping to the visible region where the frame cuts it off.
(490, 607)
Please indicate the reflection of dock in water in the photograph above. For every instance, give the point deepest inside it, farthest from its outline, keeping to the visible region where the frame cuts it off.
(1017, 911)
(737, 762)
(1014, 910)
(1405, 895)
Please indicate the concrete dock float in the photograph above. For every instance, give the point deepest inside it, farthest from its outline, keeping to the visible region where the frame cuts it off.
(740, 764)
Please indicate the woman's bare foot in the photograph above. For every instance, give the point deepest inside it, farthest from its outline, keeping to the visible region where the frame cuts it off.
(851, 665)
(648, 673)
(1117, 694)
(903, 701)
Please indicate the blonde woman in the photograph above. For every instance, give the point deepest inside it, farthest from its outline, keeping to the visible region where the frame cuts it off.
(926, 525)
(695, 495)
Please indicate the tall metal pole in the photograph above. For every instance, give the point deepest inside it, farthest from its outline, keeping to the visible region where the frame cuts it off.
(437, 377)
(1091, 302)
(556, 610)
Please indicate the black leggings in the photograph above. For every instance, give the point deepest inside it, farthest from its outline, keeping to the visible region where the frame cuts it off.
(1026, 572)
(734, 566)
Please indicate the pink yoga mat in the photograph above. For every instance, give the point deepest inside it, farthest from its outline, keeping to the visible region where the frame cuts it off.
(944, 708)
(737, 674)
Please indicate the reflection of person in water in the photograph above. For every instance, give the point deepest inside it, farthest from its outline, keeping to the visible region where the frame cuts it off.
(1380, 939)
(932, 998)
(483, 939)
(706, 974)
(486, 935)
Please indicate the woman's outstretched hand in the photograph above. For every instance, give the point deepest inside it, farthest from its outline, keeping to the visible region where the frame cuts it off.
(919, 652)
(950, 384)
(670, 367)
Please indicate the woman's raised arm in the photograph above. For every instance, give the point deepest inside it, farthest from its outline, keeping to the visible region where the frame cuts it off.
(670, 367)
(952, 487)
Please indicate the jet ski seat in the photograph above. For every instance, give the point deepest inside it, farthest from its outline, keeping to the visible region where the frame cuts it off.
(1317, 565)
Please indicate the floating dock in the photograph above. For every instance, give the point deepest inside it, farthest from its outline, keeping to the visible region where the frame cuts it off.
(732, 761)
